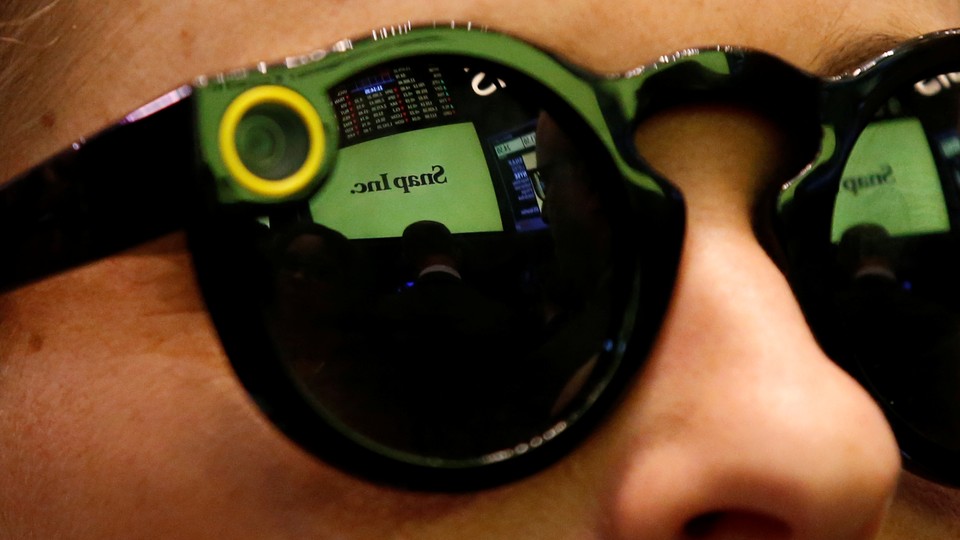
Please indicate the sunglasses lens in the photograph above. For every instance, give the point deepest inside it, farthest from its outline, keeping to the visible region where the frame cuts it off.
(883, 294)
(427, 304)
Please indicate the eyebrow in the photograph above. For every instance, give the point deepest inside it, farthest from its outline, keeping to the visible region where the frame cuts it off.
(846, 54)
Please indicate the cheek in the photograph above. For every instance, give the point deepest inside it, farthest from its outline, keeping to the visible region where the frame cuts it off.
(119, 411)
(923, 510)
(114, 446)
(92, 435)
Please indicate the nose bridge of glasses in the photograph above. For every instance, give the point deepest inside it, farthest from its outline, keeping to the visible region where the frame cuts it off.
(739, 81)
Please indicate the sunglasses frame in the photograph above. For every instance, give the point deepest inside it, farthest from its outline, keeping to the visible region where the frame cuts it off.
(645, 291)
(143, 178)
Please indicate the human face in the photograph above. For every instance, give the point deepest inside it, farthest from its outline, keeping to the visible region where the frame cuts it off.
(119, 415)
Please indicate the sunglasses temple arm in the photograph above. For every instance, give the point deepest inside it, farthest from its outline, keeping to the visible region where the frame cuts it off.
(126, 185)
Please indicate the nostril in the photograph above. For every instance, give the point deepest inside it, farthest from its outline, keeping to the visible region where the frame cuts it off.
(735, 524)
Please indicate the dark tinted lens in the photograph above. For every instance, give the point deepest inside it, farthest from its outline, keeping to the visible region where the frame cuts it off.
(883, 293)
(430, 308)
(427, 303)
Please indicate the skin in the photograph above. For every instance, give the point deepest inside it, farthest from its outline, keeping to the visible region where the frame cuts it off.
(120, 417)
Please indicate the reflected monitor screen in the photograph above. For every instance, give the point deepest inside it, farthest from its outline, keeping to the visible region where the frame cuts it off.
(440, 139)
(380, 186)
(891, 180)
(515, 155)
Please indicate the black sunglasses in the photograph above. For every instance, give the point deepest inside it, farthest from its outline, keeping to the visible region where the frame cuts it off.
(436, 259)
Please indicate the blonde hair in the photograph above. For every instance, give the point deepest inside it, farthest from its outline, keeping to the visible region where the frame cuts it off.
(24, 29)
(28, 34)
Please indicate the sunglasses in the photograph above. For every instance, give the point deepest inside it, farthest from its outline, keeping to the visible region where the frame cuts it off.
(436, 259)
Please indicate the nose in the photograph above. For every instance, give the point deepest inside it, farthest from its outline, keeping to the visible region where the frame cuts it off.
(740, 426)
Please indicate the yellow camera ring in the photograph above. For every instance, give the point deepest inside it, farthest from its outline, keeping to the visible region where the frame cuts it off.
(284, 97)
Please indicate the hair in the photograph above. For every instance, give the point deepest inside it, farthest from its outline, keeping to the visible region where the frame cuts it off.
(24, 30)
(27, 32)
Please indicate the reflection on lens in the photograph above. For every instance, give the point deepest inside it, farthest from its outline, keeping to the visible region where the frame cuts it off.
(427, 301)
(888, 289)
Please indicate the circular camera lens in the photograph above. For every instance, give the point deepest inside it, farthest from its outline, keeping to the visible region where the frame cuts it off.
(272, 141)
